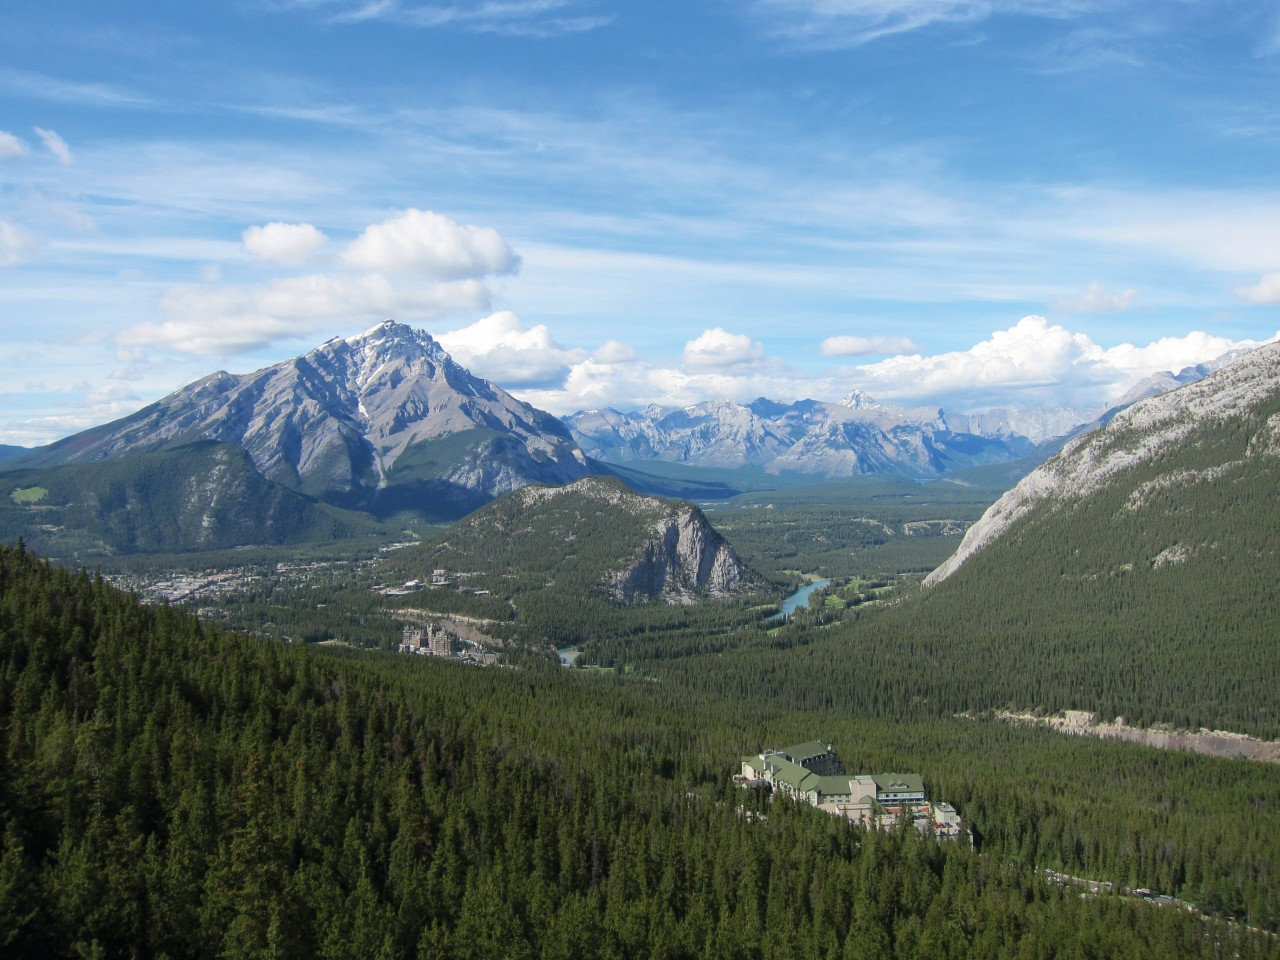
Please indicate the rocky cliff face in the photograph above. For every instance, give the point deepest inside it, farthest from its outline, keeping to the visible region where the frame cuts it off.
(1150, 447)
(351, 421)
(673, 553)
(683, 561)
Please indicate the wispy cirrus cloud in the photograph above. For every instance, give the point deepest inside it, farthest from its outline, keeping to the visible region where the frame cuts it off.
(836, 24)
(56, 145)
(15, 244)
(60, 90)
(843, 23)
(1095, 299)
(530, 18)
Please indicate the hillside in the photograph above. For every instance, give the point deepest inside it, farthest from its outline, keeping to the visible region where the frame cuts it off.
(1168, 458)
(197, 497)
(384, 422)
(571, 559)
(1133, 575)
(170, 790)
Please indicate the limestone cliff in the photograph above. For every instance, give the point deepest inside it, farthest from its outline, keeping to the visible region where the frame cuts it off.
(683, 559)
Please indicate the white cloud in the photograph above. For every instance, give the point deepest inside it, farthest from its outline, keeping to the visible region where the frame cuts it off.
(1095, 300)
(1034, 363)
(15, 244)
(10, 146)
(718, 347)
(221, 321)
(830, 24)
(501, 349)
(614, 351)
(529, 18)
(1266, 290)
(56, 145)
(421, 242)
(111, 394)
(866, 346)
(1031, 364)
(287, 243)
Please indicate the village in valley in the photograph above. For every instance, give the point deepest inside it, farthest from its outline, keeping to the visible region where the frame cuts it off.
(812, 772)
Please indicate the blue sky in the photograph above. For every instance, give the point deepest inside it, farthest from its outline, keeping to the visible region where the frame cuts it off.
(941, 202)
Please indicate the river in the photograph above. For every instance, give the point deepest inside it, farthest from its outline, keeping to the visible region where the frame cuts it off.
(799, 599)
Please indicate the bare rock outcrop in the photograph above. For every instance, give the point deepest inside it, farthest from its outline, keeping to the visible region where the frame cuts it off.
(683, 560)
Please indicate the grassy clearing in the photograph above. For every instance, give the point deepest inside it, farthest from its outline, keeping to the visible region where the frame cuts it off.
(28, 495)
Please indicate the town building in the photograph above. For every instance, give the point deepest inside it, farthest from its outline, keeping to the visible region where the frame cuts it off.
(434, 640)
(813, 773)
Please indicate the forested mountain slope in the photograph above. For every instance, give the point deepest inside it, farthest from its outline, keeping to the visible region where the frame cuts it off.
(1166, 457)
(578, 561)
(1134, 575)
(201, 496)
(166, 790)
(596, 537)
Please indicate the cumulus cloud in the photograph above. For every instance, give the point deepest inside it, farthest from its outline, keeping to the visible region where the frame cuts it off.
(614, 351)
(55, 145)
(419, 265)
(424, 243)
(292, 244)
(15, 244)
(718, 347)
(500, 348)
(10, 146)
(221, 321)
(1095, 300)
(1266, 290)
(866, 346)
(1034, 363)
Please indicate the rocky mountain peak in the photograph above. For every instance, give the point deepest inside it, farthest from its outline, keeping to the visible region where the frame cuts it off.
(338, 422)
(859, 400)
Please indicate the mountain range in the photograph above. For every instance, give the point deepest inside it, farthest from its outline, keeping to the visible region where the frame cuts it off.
(382, 422)
(857, 436)
(386, 425)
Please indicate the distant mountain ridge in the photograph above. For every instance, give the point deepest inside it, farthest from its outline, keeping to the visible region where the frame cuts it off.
(380, 422)
(854, 437)
(859, 435)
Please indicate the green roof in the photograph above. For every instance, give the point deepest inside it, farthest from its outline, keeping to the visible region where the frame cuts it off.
(835, 786)
(806, 751)
(792, 774)
(899, 783)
